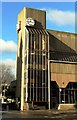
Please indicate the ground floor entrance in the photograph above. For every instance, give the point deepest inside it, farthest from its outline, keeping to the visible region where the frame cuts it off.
(63, 96)
(66, 95)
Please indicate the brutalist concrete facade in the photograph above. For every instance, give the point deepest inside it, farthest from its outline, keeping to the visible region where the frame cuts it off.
(46, 63)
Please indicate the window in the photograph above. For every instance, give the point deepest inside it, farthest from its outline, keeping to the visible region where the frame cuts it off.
(43, 43)
(43, 62)
(33, 42)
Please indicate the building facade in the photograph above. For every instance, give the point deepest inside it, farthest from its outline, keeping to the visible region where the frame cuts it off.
(46, 63)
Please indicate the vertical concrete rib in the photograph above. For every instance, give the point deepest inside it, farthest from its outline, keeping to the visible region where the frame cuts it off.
(30, 63)
(34, 68)
(48, 76)
(27, 63)
(22, 81)
(45, 69)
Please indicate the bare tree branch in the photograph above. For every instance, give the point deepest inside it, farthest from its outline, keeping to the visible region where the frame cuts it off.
(6, 75)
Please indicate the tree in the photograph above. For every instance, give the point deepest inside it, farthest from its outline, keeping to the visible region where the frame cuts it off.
(6, 75)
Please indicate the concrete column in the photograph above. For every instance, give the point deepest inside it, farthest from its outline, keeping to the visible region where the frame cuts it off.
(23, 65)
(48, 76)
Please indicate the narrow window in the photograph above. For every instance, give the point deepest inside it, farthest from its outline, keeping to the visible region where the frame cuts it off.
(43, 43)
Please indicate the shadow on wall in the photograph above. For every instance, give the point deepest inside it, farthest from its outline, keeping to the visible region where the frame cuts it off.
(38, 24)
(54, 94)
(19, 73)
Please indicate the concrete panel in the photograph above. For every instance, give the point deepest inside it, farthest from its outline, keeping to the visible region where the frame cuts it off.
(38, 15)
(63, 73)
(63, 41)
(63, 68)
(63, 79)
(66, 107)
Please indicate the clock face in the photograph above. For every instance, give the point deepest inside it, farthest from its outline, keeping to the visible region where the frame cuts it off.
(30, 22)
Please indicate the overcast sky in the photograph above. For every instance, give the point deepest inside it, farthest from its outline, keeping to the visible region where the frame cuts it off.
(59, 16)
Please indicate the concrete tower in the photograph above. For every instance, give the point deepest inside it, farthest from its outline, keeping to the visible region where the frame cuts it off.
(32, 66)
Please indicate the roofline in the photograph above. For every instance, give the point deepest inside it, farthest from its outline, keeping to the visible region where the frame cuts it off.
(35, 9)
(61, 31)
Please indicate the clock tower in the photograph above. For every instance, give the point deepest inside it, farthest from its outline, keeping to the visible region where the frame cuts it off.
(32, 55)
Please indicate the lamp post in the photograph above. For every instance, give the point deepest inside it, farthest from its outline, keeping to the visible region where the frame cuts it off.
(60, 95)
